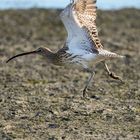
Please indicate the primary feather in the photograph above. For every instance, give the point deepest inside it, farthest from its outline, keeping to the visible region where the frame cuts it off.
(79, 20)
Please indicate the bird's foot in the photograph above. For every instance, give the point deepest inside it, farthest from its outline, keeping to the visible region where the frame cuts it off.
(85, 95)
(114, 76)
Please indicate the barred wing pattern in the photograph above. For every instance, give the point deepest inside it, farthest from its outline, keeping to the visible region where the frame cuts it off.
(85, 12)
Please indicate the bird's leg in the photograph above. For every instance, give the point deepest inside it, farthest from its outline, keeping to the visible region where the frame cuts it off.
(111, 74)
(88, 81)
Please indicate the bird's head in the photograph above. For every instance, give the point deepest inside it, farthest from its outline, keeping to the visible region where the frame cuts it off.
(41, 51)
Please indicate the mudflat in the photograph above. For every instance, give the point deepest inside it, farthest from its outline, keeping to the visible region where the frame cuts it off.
(39, 101)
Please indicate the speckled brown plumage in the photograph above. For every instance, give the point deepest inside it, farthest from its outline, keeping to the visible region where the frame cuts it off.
(86, 13)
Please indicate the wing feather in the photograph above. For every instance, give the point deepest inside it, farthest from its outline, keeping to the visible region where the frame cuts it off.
(85, 12)
(70, 24)
(79, 20)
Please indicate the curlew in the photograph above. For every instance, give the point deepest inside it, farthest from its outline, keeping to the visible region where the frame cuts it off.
(82, 46)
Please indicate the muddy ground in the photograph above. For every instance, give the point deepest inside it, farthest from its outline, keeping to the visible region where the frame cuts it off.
(39, 101)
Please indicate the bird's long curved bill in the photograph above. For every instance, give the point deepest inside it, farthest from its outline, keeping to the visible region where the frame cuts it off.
(22, 54)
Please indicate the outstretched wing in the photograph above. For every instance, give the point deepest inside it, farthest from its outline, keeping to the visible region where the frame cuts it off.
(70, 23)
(79, 20)
(85, 12)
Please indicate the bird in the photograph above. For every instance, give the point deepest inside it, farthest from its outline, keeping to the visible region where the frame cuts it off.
(82, 46)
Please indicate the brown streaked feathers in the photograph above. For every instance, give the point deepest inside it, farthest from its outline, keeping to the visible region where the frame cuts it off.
(85, 12)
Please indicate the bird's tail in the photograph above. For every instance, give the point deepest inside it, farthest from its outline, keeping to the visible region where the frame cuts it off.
(109, 54)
